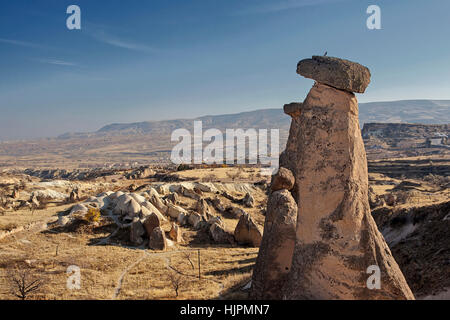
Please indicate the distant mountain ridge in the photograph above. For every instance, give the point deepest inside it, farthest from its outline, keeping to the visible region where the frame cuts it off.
(402, 111)
(264, 118)
(150, 141)
(406, 111)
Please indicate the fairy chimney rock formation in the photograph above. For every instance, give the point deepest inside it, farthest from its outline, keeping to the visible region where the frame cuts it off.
(336, 238)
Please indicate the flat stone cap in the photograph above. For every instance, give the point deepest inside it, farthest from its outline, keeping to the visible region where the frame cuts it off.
(338, 73)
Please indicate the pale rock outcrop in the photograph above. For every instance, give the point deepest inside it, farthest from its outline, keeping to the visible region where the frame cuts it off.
(140, 173)
(152, 209)
(247, 232)
(91, 199)
(158, 203)
(121, 203)
(216, 219)
(49, 194)
(189, 193)
(63, 220)
(162, 189)
(136, 232)
(79, 208)
(174, 211)
(157, 239)
(175, 233)
(182, 218)
(277, 247)
(194, 219)
(116, 194)
(235, 212)
(220, 235)
(98, 202)
(202, 208)
(198, 190)
(153, 192)
(103, 194)
(131, 209)
(249, 200)
(173, 198)
(151, 222)
(217, 204)
(204, 187)
(138, 198)
(144, 212)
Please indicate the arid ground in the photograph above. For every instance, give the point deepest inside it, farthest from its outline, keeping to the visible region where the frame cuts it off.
(410, 205)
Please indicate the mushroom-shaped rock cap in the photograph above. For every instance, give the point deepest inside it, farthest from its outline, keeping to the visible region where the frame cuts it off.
(338, 73)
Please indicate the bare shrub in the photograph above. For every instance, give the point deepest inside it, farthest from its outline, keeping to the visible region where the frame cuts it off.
(209, 178)
(437, 179)
(403, 197)
(187, 256)
(176, 280)
(23, 283)
(183, 167)
(3, 197)
(43, 202)
(233, 175)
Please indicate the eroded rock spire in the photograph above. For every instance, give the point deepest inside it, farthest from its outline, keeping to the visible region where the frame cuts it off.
(336, 238)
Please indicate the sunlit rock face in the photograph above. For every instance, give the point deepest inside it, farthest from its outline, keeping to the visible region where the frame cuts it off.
(336, 238)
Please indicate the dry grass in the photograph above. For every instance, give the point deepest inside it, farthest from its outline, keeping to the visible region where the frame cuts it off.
(230, 174)
(221, 269)
(25, 216)
(50, 254)
(426, 193)
(142, 274)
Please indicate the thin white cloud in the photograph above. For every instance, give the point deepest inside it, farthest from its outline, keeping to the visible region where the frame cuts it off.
(277, 6)
(121, 43)
(20, 43)
(56, 62)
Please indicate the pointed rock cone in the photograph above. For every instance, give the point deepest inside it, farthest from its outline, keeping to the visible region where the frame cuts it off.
(275, 254)
(337, 240)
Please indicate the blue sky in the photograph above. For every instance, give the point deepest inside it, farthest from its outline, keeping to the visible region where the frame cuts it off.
(165, 59)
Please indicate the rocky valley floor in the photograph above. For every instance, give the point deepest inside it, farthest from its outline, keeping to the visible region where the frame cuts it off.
(203, 255)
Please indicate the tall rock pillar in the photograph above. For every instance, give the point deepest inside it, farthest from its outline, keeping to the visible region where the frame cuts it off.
(337, 241)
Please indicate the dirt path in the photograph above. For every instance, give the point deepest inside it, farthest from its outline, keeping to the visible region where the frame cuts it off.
(123, 274)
